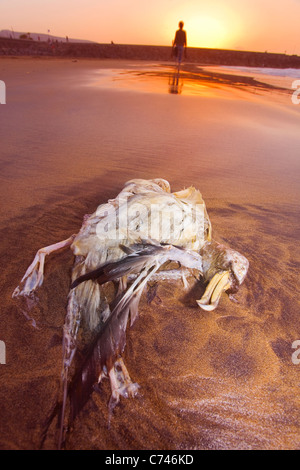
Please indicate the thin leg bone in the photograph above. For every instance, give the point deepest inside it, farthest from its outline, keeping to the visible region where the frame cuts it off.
(130, 388)
(34, 275)
(121, 384)
(184, 281)
(115, 394)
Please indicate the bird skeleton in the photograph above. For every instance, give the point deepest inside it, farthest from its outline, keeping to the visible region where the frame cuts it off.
(128, 240)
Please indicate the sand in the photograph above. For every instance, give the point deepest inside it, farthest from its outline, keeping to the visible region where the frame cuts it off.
(72, 132)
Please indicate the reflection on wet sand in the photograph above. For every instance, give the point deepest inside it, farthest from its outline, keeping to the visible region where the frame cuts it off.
(189, 79)
(175, 83)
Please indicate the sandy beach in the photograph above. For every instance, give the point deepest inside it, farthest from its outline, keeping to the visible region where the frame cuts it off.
(73, 131)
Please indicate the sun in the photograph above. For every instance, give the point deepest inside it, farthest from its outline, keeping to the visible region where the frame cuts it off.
(207, 31)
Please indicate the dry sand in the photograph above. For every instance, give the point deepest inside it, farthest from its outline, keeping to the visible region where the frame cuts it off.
(72, 132)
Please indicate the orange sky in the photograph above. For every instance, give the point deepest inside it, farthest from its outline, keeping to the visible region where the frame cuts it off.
(257, 25)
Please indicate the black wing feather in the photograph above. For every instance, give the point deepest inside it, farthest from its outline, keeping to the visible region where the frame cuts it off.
(134, 262)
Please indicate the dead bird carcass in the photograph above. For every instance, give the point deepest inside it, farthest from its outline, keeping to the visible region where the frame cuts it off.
(127, 240)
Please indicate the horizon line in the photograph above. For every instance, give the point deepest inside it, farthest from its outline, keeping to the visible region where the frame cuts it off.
(91, 42)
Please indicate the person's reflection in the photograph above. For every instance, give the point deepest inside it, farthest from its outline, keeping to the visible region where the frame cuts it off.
(175, 83)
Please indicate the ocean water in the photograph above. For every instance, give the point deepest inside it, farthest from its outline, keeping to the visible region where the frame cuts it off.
(283, 78)
(274, 72)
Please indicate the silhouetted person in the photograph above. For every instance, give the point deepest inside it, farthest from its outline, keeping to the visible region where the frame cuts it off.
(180, 42)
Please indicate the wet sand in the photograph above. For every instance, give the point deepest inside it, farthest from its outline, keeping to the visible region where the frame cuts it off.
(72, 132)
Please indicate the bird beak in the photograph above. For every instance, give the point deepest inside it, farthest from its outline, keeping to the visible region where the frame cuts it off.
(218, 284)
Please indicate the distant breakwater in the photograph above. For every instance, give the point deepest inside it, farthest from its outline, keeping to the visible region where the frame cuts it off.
(19, 47)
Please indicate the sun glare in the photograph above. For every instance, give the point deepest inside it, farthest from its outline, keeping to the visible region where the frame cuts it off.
(207, 31)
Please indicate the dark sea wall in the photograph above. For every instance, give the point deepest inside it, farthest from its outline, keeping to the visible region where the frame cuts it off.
(18, 47)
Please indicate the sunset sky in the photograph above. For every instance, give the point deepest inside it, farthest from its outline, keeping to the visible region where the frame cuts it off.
(256, 25)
